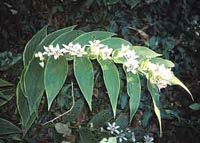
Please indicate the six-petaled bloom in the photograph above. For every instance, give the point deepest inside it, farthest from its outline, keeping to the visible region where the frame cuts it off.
(122, 136)
(95, 47)
(131, 65)
(106, 53)
(113, 128)
(53, 51)
(159, 74)
(148, 139)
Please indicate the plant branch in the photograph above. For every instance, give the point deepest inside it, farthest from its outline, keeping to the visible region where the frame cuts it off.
(73, 101)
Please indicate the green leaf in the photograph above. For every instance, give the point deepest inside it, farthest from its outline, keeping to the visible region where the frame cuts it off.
(6, 95)
(132, 3)
(67, 37)
(34, 85)
(64, 38)
(22, 82)
(134, 91)
(22, 105)
(115, 43)
(4, 83)
(55, 75)
(195, 106)
(84, 73)
(156, 102)
(86, 83)
(94, 35)
(32, 45)
(122, 121)
(52, 36)
(101, 118)
(176, 81)
(146, 118)
(28, 125)
(87, 136)
(161, 61)
(112, 81)
(34, 74)
(145, 52)
(23, 108)
(8, 128)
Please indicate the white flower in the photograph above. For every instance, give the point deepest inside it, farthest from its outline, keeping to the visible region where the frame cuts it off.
(148, 139)
(74, 49)
(96, 43)
(78, 50)
(106, 53)
(122, 136)
(131, 65)
(127, 52)
(133, 137)
(95, 47)
(113, 128)
(41, 64)
(53, 51)
(67, 48)
(40, 56)
(160, 75)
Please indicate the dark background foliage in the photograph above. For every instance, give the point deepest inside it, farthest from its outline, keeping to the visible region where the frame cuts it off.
(170, 27)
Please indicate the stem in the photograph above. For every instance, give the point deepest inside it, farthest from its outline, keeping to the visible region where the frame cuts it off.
(73, 101)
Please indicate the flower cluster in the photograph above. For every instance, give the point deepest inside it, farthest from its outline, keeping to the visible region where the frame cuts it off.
(99, 49)
(74, 49)
(127, 135)
(53, 51)
(160, 75)
(120, 134)
(131, 57)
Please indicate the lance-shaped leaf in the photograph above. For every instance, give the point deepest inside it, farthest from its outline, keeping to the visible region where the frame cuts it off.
(34, 92)
(22, 105)
(67, 37)
(32, 45)
(23, 108)
(176, 81)
(52, 92)
(54, 77)
(4, 83)
(115, 43)
(156, 101)
(101, 118)
(134, 92)
(8, 127)
(160, 61)
(51, 37)
(83, 68)
(112, 81)
(34, 85)
(145, 52)
(84, 73)
(6, 95)
(94, 35)
(45, 42)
